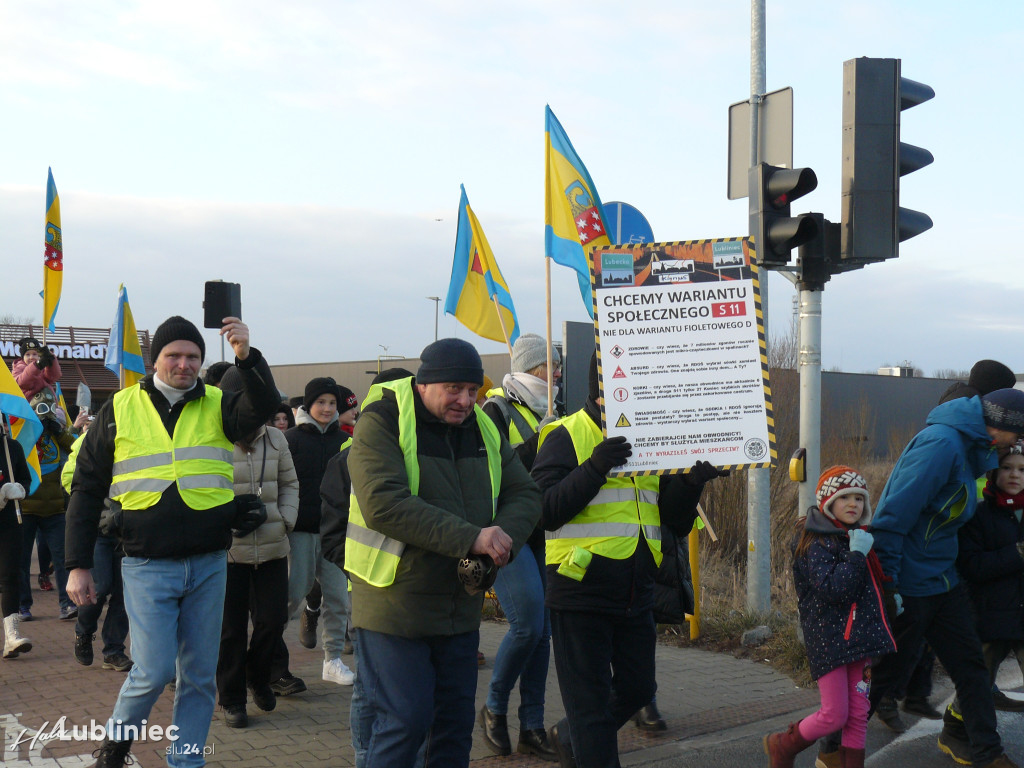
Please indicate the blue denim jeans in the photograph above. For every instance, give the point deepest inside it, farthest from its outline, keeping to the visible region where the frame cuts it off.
(306, 564)
(52, 529)
(175, 609)
(524, 651)
(418, 689)
(361, 726)
(106, 575)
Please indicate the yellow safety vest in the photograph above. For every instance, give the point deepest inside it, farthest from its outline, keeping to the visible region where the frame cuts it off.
(371, 555)
(515, 427)
(67, 472)
(612, 523)
(147, 460)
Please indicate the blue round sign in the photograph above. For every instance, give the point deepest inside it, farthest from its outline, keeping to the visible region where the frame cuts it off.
(626, 224)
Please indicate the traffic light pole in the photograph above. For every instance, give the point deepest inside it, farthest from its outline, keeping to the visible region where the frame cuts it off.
(759, 539)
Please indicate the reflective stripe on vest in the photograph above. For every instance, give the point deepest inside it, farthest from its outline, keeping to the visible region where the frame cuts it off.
(371, 555)
(147, 460)
(622, 510)
(522, 422)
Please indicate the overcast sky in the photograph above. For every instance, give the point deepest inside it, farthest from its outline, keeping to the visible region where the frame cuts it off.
(313, 151)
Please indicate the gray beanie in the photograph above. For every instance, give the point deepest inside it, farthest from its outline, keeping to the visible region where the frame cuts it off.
(529, 351)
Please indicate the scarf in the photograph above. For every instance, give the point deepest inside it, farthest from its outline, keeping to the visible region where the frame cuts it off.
(1002, 500)
(528, 390)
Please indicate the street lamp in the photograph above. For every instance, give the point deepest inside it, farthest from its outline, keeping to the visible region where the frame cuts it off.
(437, 304)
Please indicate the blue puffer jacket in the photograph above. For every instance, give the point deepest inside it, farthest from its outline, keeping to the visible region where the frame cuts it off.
(931, 492)
(841, 610)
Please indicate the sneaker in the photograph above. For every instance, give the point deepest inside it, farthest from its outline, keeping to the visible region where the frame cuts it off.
(287, 684)
(335, 671)
(307, 627)
(83, 649)
(44, 582)
(235, 716)
(1005, 703)
(69, 613)
(263, 697)
(957, 749)
(118, 662)
(25, 614)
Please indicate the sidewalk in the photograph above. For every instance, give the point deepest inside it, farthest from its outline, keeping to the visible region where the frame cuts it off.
(698, 693)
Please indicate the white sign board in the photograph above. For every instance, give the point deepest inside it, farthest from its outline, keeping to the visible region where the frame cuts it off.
(681, 354)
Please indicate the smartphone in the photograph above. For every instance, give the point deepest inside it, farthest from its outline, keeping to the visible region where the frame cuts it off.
(221, 300)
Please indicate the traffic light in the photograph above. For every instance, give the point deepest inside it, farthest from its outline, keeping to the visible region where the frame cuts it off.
(776, 233)
(873, 223)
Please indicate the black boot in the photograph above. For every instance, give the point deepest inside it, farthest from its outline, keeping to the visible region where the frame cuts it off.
(558, 738)
(495, 732)
(535, 742)
(649, 719)
(113, 754)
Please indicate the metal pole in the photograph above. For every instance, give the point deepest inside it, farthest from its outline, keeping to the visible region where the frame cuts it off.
(759, 537)
(437, 304)
(810, 393)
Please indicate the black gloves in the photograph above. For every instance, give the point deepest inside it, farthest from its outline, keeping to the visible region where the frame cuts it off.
(45, 358)
(53, 427)
(250, 514)
(702, 472)
(610, 453)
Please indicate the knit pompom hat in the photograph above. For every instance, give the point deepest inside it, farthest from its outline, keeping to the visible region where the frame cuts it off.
(838, 481)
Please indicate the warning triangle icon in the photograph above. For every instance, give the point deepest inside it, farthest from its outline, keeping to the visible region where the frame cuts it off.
(619, 373)
(623, 421)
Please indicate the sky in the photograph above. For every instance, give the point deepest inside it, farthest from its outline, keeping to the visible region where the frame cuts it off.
(313, 151)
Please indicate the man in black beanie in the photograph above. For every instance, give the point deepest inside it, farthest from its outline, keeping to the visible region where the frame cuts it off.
(433, 482)
(162, 450)
(602, 628)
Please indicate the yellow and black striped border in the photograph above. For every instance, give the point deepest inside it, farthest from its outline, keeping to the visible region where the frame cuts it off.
(748, 251)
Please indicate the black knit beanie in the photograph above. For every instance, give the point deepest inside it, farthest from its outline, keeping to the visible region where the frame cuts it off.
(347, 399)
(176, 328)
(322, 385)
(450, 360)
(989, 375)
(231, 380)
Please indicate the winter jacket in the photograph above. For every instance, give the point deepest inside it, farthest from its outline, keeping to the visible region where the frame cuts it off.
(170, 528)
(841, 608)
(994, 571)
(21, 475)
(615, 587)
(280, 494)
(312, 446)
(439, 524)
(673, 583)
(335, 491)
(931, 492)
(32, 379)
(52, 452)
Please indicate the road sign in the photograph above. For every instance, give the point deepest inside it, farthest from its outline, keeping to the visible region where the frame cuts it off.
(626, 224)
(776, 137)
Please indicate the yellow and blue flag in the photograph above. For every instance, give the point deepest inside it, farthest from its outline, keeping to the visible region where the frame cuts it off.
(123, 350)
(477, 281)
(573, 215)
(53, 259)
(25, 426)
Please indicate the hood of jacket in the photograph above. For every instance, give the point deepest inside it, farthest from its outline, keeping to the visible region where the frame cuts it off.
(302, 417)
(965, 416)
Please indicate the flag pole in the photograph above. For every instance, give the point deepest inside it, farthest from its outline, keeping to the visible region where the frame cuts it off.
(547, 302)
(10, 466)
(501, 321)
